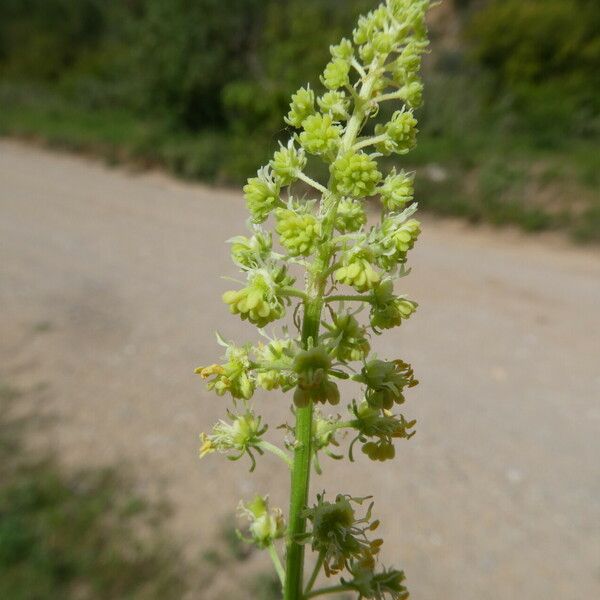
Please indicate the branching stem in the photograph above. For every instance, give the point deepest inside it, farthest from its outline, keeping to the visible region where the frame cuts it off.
(291, 292)
(399, 95)
(268, 447)
(370, 141)
(315, 573)
(312, 182)
(349, 298)
(277, 563)
(328, 590)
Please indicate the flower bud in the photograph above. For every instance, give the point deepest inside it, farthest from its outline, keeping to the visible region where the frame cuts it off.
(262, 195)
(241, 436)
(405, 69)
(383, 42)
(376, 586)
(350, 216)
(342, 50)
(250, 253)
(385, 381)
(258, 302)
(355, 174)
(334, 103)
(302, 106)
(277, 353)
(287, 162)
(312, 367)
(358, 272)
(266, 525)
(397, 190)
(401, 133)
(398, 239)
(413, 94)
(320, 135)
(369, 24)
(298, 233)
(347, 338)
(339, 535)
(382, 450)
(336, 74)
(233, 376)
(387, 310)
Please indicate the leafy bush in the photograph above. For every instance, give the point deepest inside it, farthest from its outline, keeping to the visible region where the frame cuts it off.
(545, 54)
(84, 535)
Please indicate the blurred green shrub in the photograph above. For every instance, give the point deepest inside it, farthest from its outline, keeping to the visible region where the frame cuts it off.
(545, 56)
(84, 535)
(200, 85)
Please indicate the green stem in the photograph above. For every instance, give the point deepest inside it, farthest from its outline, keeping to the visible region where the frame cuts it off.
(370, 141)
(278, 566)
(358, 67)
(312, 182)
(313, 304)
(291, 292)
(268, 447)
(399, 95)
(315, 572)
(328, 590)
(349, 298)
(301, 470)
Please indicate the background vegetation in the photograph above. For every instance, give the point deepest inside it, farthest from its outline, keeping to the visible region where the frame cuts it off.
(509, 130)
(88, 534)
(84, 535)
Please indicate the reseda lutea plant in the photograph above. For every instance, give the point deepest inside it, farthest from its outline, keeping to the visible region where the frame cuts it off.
(325, 232)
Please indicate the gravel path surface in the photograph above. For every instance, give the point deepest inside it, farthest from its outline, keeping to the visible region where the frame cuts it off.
(109, 296)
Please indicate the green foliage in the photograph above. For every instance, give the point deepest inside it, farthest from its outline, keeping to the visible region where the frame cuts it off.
(588, 227)
(84, 535)
(546, 55)
(186, 83)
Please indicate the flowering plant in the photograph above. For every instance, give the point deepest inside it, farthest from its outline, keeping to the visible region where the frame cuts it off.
(325, 232)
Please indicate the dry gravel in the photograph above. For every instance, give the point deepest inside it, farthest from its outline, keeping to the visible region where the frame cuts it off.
(109, 296)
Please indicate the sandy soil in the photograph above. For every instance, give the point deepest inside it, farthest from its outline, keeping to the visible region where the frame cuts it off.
(109, 295)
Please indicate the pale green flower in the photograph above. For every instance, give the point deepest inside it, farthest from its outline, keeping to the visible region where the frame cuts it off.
(396, 190)
(302, 106)
(250, 253)
(234, 376)
(241, 436)
(258, 302)
(298, 232)
(355, 174)
(387, 310)
(350, 216)
(312, 367)
(358, 272)
(335, 103)
(320, 136)
(397, 237)
(400, 132)
(336, 74)
(262, 194)
(342, 50)
(287, 162)
(385, 381)
(266, 525)
(347, 338)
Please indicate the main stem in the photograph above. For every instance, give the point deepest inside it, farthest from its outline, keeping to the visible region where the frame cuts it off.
(313, 304)
(301, 468)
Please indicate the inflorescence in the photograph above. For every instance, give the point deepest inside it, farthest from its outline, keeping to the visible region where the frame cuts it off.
(350, 265)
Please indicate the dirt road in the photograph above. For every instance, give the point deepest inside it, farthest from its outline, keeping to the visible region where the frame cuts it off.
(109, 296)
